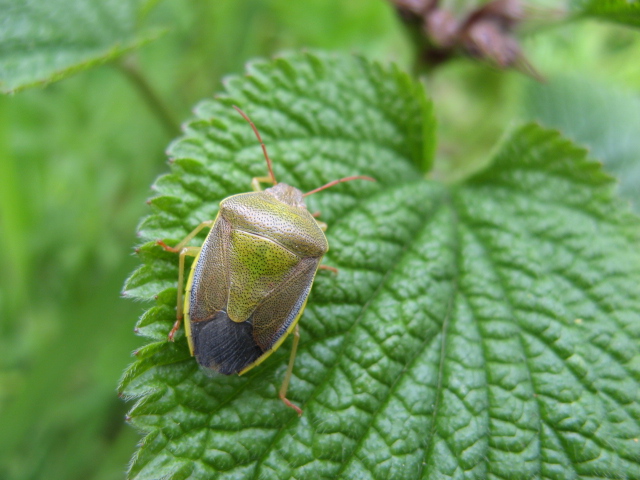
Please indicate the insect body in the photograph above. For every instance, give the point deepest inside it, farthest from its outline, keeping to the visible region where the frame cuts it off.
(251, 278)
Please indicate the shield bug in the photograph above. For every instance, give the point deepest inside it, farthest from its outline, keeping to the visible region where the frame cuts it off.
(251, 277)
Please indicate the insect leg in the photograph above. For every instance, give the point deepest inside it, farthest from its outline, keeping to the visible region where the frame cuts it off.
(256, 181)
(192, 252)
(287, 376)
(187, 239)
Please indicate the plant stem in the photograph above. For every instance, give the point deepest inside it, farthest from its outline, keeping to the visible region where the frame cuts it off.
(157, 106)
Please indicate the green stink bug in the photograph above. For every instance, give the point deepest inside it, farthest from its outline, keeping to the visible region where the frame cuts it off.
(251, 277)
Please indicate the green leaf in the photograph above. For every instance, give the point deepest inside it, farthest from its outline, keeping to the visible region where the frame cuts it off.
(598, 116)
(479, 331)
(626, 12)
(42, 41)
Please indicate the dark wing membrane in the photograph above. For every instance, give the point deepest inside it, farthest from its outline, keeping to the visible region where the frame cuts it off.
(229, 347)
(210, 285)
(224, 345)
(276, 313)
(219, 343)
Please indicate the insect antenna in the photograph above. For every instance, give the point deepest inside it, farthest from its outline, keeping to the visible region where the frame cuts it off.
(264, 148)
(342, 180)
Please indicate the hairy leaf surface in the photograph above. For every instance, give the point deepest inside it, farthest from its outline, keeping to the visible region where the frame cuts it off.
(484, 330)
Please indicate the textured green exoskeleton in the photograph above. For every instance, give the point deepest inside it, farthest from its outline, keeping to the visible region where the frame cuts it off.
(251, 278)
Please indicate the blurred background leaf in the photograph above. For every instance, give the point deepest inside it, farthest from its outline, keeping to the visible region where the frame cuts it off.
(77, 160)
(603, 118)
(621, 11)
(43, 41)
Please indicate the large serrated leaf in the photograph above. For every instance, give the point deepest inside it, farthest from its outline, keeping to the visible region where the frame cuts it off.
(479, 331)
(42, 41)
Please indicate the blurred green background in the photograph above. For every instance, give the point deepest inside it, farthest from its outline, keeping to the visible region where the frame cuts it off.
(77, 159)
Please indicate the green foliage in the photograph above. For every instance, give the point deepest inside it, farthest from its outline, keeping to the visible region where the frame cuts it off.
(77, 157)
(73, 165)
(76, 162)
(620, 11)
(600, 117)
(46, 40)
(488, 329)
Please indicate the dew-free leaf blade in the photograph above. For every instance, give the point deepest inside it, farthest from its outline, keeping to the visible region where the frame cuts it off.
(483, 330)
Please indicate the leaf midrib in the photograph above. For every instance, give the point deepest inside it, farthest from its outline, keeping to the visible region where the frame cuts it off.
(445, 325)
(341, 353)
